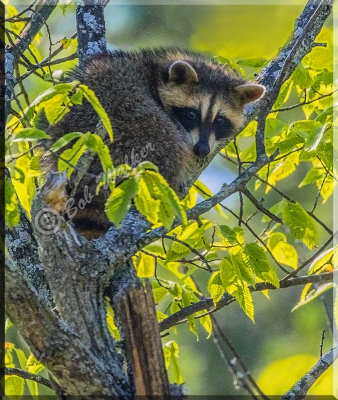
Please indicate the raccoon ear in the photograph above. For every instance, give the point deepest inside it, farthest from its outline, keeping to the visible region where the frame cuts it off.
(182, 72)
(249, 92)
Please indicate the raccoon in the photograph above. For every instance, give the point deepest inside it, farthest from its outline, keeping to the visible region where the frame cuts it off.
(168, 106)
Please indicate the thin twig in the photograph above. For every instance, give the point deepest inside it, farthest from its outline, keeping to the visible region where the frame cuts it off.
(321, 345)
(27, 375)
(238, 358)
(240, 379)
(260, 207)
(302, 103)
(192, 249)
(241, 203)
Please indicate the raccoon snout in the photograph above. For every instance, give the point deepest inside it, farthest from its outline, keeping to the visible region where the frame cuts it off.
(201, 149)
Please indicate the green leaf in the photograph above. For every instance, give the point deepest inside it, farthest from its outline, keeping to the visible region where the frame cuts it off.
(312, 176)
(274, 127)
(326, 115)
(206, 323)
(60, 88)
(29, 134)
(252, 62)
(76, 98)
(283, 169)
(8, 324)
(160, 190)
(120, 199)
(144, 264)
(227, 234)
(301, 77)
(160, 292)
(95, 144)
(255, 257)
(94, 101)
(300, 223)
(277, 209)
(231, 279)
(204, 191)
(33, 365)
(193, 235)
(313, 294)
(171, 354)
(145, 203)
(283, 252)
(14, 387)
(311, 132)
(12, 213)
(64, 140)
(113, 329)
(215, 287)
(187, 300)
(284, 94)
(144, 165)
(323, 259)
(35, 168)
(56, 108)
(70, 157)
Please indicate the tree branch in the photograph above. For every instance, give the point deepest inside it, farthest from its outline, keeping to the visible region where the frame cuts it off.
(300, 389)
(208, 303)
(90, 28)
(55, 344)
(260, 207)
(27, 375)
(12, 53)
(23, 249)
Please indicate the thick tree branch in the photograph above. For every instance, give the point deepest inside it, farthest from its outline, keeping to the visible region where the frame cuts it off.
(23, 249)
(90, 28)
(300, 389)
(208, 303)
(137, 317)
(59, 347)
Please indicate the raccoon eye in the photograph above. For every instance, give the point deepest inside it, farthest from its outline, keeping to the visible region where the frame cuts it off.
(220, 121)
(192, 115)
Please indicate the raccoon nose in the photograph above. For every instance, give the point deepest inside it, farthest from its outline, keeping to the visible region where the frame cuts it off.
(201, 149)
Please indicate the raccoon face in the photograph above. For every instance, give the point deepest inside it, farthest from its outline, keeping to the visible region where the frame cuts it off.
(208, 104)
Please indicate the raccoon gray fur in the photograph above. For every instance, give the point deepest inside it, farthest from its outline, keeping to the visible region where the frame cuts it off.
(170, 105)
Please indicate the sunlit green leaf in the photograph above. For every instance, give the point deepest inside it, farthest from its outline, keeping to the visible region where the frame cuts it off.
(29, 134)
(94, 101)
(119, 200)
(301, 224)
(255, 257)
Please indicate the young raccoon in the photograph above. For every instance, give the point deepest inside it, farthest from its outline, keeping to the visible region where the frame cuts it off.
(168, 106)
